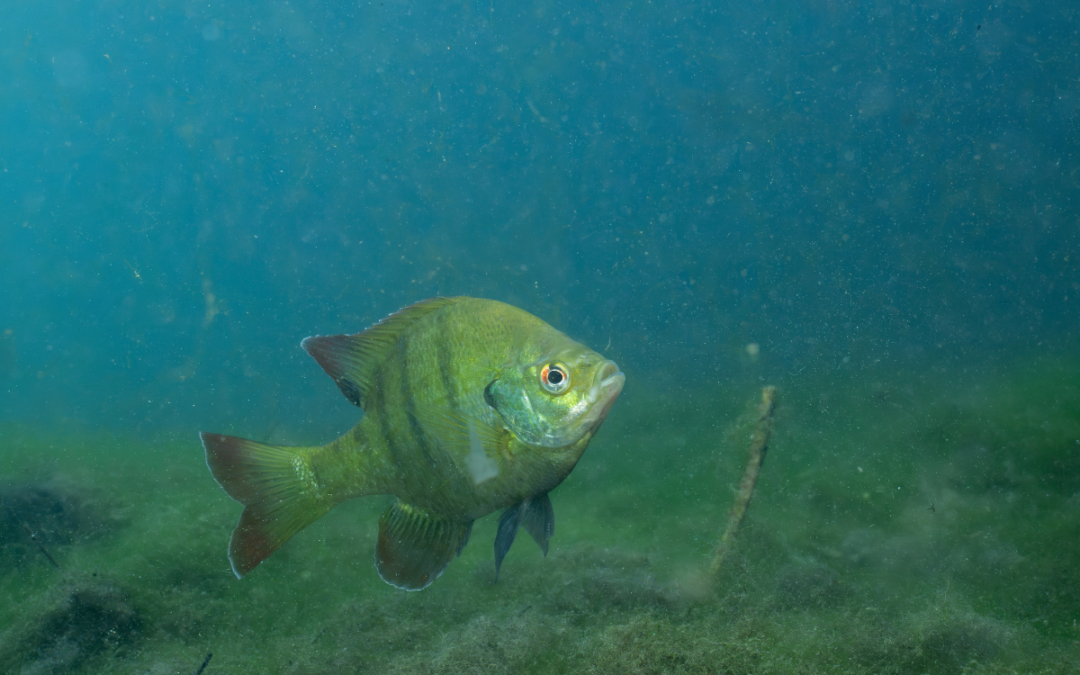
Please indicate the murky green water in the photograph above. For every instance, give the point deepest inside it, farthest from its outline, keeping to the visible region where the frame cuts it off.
(905, 522)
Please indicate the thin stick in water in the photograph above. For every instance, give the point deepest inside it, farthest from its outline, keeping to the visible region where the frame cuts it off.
(204, 662)
(41, 547)
(759, 443)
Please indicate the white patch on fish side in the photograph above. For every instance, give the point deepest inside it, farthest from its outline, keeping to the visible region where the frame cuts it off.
(481, 467)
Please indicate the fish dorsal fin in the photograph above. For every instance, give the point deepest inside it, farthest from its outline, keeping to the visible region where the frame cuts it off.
(414, 548)
(535, 515)
(351, 360)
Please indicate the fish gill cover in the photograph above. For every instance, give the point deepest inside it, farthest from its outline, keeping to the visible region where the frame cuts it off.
(870, 205)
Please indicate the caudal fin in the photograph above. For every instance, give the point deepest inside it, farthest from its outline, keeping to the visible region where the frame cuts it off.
(270, 482)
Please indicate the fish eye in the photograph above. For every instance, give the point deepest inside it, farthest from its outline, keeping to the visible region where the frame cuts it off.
(555, 378)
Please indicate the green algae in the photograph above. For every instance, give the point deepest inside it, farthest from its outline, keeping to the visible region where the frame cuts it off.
(905, 522)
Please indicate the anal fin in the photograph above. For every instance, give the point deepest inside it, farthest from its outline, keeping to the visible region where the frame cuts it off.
(414, 548)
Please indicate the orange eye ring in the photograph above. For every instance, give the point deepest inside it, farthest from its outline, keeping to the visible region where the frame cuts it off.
(555, 378)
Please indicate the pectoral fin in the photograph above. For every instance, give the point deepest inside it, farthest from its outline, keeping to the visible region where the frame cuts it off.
(536, 515)
(414, 548)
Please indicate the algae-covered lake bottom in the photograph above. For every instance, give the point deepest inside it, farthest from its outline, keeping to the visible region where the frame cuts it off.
(906, 521)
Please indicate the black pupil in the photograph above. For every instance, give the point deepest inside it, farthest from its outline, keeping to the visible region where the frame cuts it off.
(555, 376)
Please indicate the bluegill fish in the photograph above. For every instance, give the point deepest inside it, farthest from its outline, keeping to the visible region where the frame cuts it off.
(470, 406)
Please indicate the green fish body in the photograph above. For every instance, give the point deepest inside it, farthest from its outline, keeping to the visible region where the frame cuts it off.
(470, 406)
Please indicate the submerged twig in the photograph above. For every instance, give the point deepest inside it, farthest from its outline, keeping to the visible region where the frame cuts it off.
(759, 443)
(33, 535)
(41, 547)
(204, 662)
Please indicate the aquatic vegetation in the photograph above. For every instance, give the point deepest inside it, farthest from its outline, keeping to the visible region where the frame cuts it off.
(81, 620)
(42, 518)
(969, 567)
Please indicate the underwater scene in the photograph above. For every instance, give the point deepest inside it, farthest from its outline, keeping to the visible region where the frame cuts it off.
(552, 336)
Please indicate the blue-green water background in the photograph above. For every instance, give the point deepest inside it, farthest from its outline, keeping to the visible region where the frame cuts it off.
(871, 205)
(189, 189)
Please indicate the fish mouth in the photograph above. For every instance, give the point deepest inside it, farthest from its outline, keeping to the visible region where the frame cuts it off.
(605, 389)
(611, 379)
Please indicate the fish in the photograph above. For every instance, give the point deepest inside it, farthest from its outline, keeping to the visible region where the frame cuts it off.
(469, 406)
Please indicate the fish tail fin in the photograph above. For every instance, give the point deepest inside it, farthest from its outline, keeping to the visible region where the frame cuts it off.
(274, 484)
